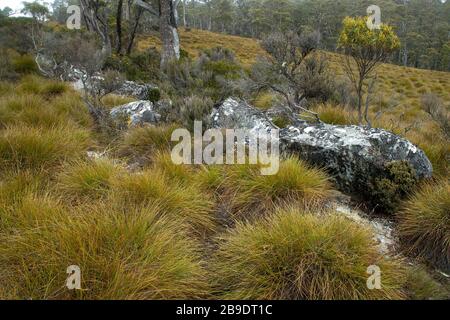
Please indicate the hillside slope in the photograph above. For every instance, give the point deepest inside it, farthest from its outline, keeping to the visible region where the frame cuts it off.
(404, 83)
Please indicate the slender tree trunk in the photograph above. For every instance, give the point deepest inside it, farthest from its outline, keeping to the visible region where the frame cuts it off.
(360, 98)
(133, 32)
(169, 32)
(184, 14)
(119, 26)
(96, 18)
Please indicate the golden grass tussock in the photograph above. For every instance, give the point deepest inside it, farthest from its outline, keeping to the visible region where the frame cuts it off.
(420, 285)
(336, 115)
(143, 142)
(424, 224)
(298, 255)
(112, 100)
(39, 102)
(122, 254)
(41, 149)
(184, 203)
(251, 193)
(88, 180)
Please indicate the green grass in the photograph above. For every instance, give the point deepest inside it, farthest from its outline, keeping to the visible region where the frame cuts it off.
(296, 255)
(424, 225)
(112, 100)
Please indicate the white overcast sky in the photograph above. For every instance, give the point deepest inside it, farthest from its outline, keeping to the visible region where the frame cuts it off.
(16, 5)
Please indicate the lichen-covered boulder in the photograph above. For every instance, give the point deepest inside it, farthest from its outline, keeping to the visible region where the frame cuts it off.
(137, 113)
(355, 156)
(237, 114)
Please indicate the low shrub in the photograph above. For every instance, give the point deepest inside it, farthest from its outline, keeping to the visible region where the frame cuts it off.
(154, 95)
(195, 108)
(138, 66)
(424, 225)
(295, 255)
(387, 192)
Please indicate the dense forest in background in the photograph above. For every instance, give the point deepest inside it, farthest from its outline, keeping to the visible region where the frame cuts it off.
(422, 25)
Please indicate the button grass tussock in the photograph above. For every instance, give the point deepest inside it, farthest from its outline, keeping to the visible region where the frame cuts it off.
(298, 255)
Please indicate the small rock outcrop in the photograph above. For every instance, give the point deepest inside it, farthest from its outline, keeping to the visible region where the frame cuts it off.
(236, 114)
(137, 112)
(353, 155)
(127, 88)
(133, 89)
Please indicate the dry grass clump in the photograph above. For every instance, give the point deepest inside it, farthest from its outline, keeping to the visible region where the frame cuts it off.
(183, 174)
(424, 224)
(41, 86)
(122, 254)
(335, 115)
(40, 149)
(113, 100)
(210, 178)
(420, 285)
(295, 255)
(43, 105)
(15, 185)
(88, 180)
(183, 203)
(252, 193)
(264, 101)
(143, 142)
